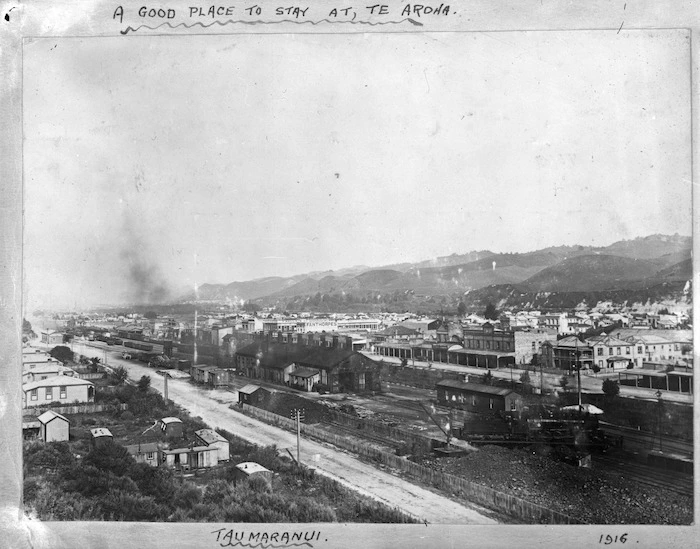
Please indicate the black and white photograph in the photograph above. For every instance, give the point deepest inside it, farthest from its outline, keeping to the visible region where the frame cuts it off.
(307, 278)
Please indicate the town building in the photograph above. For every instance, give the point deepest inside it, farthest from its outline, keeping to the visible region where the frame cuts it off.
(51, 337)
(274, 325)
(567, 354)
(487, 338)
(316, 325)
(527, 343)
(359, 325)
(612, 352)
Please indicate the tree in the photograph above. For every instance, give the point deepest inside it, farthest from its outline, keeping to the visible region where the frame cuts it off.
(564, 382)
(610, 388)
(491, 312)
(62, 353)
(144, 383)
(461, 308)
(150, 315)
(487, 379)
(526, 382)
(26, 325)
(119, 375)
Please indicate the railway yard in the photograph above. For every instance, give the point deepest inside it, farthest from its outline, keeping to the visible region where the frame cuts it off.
(529, 471)
(619, 487)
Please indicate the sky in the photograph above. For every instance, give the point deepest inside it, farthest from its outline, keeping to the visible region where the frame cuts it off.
(152, 164)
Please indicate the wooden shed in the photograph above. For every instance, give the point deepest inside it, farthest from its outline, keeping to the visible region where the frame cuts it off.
(54, 427)
(250, 469)
(252, 394)
(100, 436)
(171, 427)
(475, 397)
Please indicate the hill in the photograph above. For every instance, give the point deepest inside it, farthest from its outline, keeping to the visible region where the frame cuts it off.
(589, 272)
(626, 264)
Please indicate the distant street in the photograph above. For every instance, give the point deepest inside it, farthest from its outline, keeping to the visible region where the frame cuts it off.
(213, 407)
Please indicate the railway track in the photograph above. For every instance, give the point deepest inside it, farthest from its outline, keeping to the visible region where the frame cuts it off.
(681, 483)
(340, 429)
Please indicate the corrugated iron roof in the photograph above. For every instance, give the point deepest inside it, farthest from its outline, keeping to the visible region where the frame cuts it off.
(304, 372)
(475, 387)
(250, 467)
(50, 415)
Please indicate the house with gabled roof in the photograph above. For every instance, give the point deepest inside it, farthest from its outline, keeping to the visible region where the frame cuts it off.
(210, 438)
(53, 427)
(66, 389)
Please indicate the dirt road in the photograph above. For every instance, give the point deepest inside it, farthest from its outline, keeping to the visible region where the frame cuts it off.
(213, 407)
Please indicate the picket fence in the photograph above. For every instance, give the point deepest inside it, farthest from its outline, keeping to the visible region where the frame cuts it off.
(81, 408)
(514, 506)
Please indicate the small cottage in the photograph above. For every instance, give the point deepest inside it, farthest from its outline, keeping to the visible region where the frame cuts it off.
(191, 457)
(53, 427)
(149, 453)
(209, 437)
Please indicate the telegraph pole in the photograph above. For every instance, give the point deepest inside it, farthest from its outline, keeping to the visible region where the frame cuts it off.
(165, 386)
(578, 376)
(298, 414)
(298, 436)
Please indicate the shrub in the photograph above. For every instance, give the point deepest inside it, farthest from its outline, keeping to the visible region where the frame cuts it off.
(120, 505)
(187, 496)
(119, 375)
(54, 455)
(126, 415)
(110, 457)
(51, 503)
(218, 490)
(610, 388)
(154, 481)
(30, 489)
(89, 481)
(144, 383)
